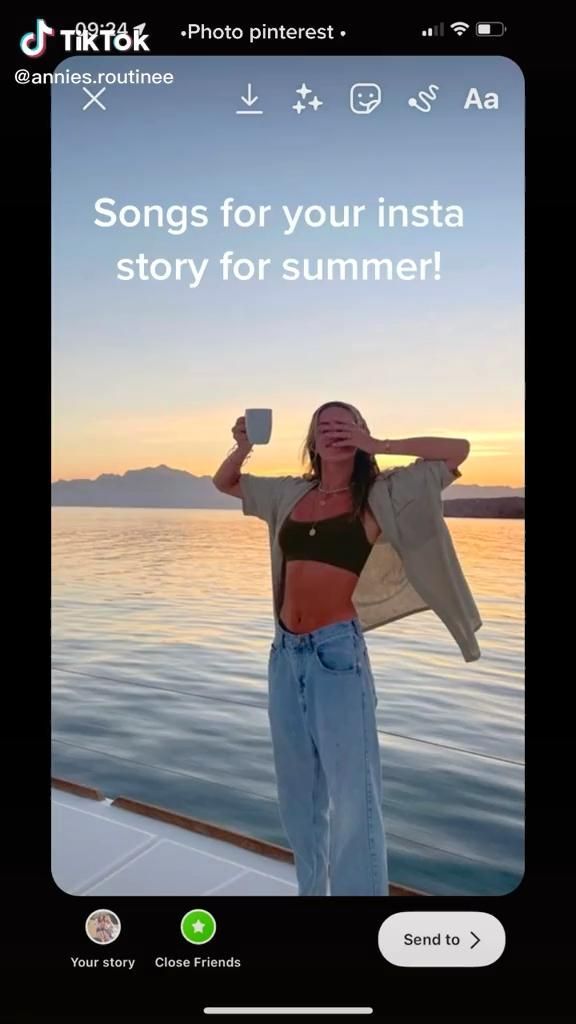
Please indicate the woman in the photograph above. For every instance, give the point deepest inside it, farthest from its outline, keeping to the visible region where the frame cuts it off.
(352, 548)
(104, 928)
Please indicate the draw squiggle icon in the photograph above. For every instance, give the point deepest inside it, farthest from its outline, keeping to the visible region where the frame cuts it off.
(426, 99)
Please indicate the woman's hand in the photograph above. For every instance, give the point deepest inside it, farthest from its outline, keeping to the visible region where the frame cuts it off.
(452, 451)
(343, 434)
(240, 436)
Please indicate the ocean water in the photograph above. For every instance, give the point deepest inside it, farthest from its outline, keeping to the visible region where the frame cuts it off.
(161, 625)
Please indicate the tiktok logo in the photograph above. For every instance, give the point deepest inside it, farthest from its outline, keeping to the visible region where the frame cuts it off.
(33, 44)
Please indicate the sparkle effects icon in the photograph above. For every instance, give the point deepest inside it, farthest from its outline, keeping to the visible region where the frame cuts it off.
(198, 926)
(300, 106)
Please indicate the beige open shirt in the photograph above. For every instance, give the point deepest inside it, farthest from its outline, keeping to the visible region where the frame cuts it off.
(413, 566)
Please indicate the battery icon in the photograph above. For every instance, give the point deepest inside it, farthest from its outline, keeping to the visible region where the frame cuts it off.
(490, 28)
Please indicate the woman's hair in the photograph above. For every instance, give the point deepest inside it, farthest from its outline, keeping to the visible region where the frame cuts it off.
(365, 468)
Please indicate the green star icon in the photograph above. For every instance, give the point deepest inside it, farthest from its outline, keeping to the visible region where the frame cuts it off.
(198, 926)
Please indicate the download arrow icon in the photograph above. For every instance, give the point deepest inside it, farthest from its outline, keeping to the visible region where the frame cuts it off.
(477, 940)
(249, 100)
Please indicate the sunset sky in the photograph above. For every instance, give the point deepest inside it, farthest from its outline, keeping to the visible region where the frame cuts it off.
(156, 372)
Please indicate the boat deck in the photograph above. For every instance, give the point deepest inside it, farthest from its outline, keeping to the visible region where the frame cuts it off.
(124, 847)
(99, 849)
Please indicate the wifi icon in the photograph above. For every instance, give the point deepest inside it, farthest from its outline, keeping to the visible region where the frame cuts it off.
(459, 27)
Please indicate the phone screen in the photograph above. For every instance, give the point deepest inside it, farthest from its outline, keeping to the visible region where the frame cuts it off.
(287, 524)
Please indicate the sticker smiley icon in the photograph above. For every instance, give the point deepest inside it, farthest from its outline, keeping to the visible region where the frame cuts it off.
(365, 97)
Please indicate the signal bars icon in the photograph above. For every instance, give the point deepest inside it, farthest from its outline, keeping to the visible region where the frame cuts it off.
(434, 30)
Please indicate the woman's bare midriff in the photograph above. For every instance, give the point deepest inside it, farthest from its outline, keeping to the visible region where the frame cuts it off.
(316, 595)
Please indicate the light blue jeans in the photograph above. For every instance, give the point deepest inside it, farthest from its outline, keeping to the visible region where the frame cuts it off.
(322, 710)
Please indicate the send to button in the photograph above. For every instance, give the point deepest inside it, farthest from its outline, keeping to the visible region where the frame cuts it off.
(452, 938)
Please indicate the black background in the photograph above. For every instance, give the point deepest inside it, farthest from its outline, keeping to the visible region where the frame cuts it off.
(313, 951)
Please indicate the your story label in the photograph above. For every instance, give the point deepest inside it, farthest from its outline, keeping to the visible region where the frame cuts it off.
(124, 962)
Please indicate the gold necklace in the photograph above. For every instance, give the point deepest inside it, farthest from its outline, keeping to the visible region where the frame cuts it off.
(339, 490)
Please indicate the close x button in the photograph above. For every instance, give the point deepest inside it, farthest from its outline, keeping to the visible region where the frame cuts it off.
(453, 938)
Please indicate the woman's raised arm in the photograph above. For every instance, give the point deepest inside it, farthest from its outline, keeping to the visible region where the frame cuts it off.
(227, 477)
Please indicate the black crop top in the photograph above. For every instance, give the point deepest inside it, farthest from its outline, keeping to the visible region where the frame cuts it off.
(339, 541)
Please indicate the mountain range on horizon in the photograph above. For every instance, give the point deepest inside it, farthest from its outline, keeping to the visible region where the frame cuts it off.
(164, 487)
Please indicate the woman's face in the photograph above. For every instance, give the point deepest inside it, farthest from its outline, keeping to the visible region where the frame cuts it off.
(324, 436)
